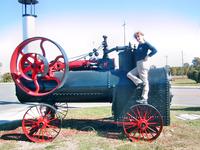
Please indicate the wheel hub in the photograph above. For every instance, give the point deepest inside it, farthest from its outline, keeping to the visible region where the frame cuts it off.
(40, 125)
(142, 124)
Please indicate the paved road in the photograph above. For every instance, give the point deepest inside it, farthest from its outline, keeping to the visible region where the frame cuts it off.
(186, 96)
(11, 109)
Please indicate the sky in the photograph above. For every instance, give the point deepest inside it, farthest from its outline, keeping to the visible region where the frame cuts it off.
(171, 26)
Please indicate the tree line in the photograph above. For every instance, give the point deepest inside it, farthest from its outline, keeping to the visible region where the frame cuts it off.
(191, 71)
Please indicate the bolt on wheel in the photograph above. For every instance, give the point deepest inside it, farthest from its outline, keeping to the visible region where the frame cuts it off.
(41, 123)
(142, 122)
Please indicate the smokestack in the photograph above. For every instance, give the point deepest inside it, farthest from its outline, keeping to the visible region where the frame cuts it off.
(29, 16)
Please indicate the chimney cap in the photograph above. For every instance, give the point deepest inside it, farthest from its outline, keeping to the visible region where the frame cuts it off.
(28, 2)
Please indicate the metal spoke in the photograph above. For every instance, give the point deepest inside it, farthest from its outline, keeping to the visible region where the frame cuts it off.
(132, 116)
(37, 86)
(42, 48)
(145, 127)
(28, 68)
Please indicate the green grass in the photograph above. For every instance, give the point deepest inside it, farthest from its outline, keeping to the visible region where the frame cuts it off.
(93, 112)
(77, 133)
(184, 82)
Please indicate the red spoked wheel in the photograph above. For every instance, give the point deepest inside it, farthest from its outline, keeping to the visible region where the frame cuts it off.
(142, 122)
(37, 71)
(41, 123)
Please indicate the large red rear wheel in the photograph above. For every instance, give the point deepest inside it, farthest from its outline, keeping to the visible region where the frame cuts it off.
(142, 122)
(41, 123)
(39, 66)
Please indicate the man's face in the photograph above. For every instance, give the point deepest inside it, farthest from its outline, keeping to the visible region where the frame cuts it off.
(140, 38)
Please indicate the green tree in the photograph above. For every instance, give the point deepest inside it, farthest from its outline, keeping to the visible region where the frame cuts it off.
(6, 77)
(179, 71)
(186, 68)
(186, 65)
(173, 71)
(189, 74)
(196, 62)
(198, 81)
(195, 75)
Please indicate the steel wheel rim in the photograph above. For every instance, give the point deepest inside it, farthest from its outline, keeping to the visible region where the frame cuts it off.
(142, 122)
(62, 108)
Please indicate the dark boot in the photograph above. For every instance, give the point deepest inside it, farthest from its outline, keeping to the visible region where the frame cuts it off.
(142, 101)
(139, 90)
(140, 86)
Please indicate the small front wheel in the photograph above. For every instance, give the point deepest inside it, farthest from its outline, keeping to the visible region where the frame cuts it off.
(41, 123)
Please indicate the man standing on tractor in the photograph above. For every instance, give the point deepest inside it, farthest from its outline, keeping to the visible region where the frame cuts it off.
(142, 55)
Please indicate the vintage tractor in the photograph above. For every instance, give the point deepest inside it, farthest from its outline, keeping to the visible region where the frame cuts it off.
(43, 74)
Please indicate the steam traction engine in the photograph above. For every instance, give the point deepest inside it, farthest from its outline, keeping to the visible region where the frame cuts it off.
(43, 74)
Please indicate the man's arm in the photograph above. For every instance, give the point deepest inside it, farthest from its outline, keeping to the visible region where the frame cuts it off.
(152, 49)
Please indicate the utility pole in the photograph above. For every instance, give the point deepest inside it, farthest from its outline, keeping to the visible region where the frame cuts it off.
(182, 63)
(124, 25)
(182, 58)
(166, 60)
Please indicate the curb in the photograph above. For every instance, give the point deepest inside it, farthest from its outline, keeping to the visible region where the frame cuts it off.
(185, 87)
(9, 83)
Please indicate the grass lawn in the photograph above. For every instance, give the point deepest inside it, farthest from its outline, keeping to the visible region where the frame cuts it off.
(183, 81)
(90, 129)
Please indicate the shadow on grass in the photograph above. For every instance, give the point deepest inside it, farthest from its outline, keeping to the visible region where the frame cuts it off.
(13, 132)
(105, 127)
(186, 109)
(15, 137)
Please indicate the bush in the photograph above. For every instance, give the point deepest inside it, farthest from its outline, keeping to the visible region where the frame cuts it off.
(6, 77)
(179, 71)
(195, 75)
(198, 77)
(189, 74)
